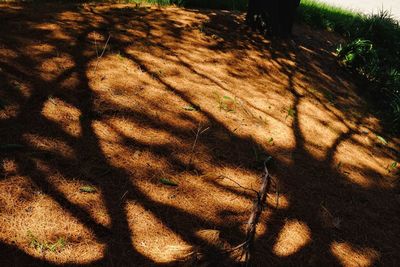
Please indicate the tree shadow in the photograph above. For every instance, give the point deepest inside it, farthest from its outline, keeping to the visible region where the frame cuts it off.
(145, 40)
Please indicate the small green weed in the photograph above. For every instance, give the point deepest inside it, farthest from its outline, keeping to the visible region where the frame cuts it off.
(291, 113)
(52, 99)
(120, 56)
(42, 246)
(202, 28)
(168, 182)
(339, 165)
(382, 140)
(226, 103)
(392, 167)
(87, 189)
(16, 85)
(312, 90)
(190, 108)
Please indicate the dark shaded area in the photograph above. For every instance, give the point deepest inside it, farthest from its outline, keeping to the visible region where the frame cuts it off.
(309, 182)
(274, 17)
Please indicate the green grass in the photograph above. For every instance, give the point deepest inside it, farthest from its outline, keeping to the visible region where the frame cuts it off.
(328, 17)
(42, 246)
(372, 50)
(225, 102)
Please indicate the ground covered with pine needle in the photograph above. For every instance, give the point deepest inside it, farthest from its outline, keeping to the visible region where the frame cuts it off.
(135, 135)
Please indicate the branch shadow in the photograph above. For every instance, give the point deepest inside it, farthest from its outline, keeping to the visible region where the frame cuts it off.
(309, 181)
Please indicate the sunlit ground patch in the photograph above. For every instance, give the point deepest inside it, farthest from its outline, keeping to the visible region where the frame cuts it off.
(350, 256)
(293, 237)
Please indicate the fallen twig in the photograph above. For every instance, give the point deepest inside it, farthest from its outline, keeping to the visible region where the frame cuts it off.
(247, 245)
(199, 132)
(239, 185)
(95, 44)
(102, 53)
(245, 248)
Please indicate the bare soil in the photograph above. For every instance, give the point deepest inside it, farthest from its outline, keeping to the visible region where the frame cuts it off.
(101, 104)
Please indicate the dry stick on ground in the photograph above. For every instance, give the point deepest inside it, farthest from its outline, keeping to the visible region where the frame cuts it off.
(95, 44)
(102, 53)
(247, 245)
(239, 185)
(199, 132)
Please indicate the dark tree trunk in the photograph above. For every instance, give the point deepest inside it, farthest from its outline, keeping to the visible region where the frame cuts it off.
(275, 17)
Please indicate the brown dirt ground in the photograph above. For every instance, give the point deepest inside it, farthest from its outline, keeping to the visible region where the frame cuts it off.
(121, 120)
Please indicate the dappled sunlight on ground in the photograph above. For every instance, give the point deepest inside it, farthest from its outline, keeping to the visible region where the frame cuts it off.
(105, 103)
(349, 256)
(293, 236)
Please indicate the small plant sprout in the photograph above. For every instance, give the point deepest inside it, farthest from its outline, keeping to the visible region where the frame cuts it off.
(339, 165)
(390, 168)
(226, 103)
(271, 141)
(168, 182)
(87, 189)
(291, 113)
(120, 56)
(52, 99)
(16, 84)
(382, 140)
(201, 27)
(43, 246)
(190, 108)
(312, 90)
